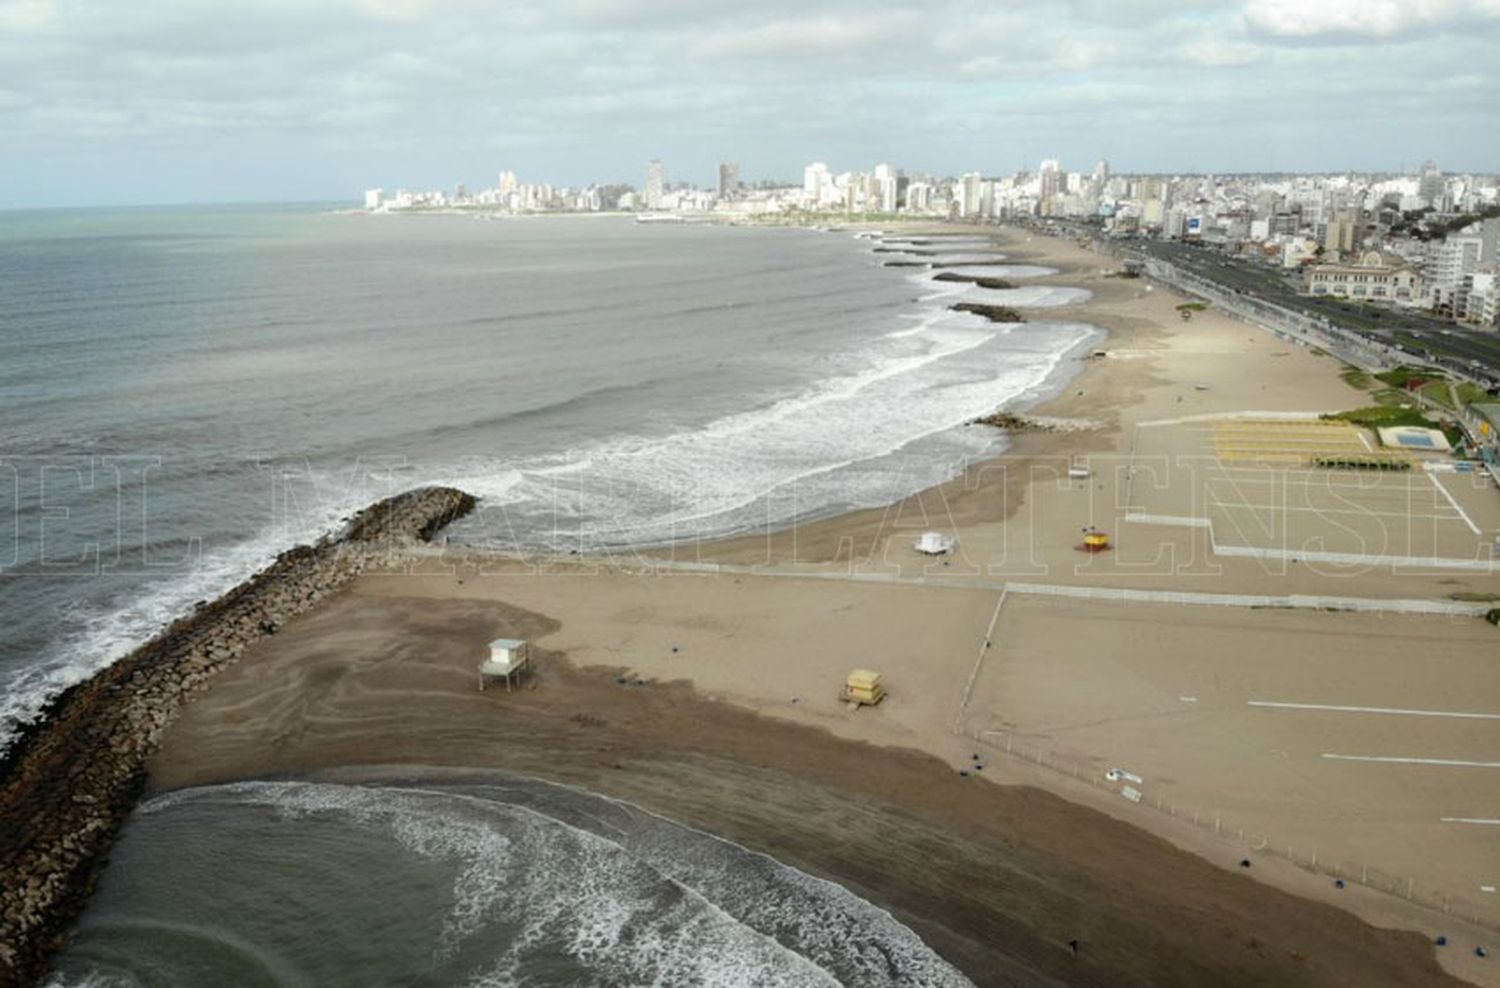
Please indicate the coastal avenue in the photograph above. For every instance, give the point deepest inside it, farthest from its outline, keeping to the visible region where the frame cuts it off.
(1465, 350)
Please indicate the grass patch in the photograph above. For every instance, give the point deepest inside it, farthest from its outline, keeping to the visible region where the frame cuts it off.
(1356, 378)
(1404, 375)
(1438, 391)
(1392, 398)
(1192, 307)
(1381, 416)
(1385, 415)
(1470, 393)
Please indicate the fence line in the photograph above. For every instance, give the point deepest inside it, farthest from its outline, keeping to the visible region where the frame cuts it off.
(1455, 608)
(984, 647)
(1403, 887)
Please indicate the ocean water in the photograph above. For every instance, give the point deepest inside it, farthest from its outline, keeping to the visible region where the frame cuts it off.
(186, 392)
(511, 883)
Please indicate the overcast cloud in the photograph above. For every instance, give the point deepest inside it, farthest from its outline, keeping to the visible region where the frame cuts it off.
(150, 101)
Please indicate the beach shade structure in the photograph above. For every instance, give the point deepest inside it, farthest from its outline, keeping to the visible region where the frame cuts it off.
(862, 688)
(1094, 540)
(934, 544)
(508, 658)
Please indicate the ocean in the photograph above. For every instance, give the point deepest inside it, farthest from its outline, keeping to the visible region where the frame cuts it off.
(500, 883)
(186, 392)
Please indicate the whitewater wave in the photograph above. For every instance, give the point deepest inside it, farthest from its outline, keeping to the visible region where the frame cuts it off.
(105, 632)
(772, 464)
(536, 871)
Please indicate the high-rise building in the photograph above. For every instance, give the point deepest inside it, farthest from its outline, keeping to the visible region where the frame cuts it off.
(729, 179)
(1430, 183)
(653, 184)
(815, 183)
(508, 183)
(969, 194)
(1448, 263)
(1342, 234)
(1051, 178)
(883, 189)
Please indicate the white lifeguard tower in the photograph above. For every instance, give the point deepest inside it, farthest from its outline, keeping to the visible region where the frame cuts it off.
(508, 657)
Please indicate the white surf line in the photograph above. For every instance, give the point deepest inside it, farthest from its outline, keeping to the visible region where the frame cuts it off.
(1370, 710)
(1461, 512)
(1397, 760)
(1470, 819)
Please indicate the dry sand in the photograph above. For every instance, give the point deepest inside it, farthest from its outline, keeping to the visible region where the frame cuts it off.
(996, 878)
(752, 745)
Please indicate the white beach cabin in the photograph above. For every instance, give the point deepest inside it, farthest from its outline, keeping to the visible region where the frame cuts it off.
(934, 544)
(508, 657)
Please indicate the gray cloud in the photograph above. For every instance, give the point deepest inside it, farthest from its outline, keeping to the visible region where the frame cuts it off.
(160, 100)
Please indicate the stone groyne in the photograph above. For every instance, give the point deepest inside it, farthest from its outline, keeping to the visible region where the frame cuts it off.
(994, 313)
(68, 782)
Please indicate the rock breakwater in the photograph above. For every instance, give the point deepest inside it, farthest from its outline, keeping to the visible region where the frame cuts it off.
(994, 313)
(71, 778)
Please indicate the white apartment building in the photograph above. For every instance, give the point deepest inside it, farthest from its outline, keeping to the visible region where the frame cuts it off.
(1482, 299)
(1448, 262)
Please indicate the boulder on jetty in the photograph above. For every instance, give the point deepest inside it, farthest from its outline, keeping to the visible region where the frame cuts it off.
(999, 284)
(1009, 421)
(994, 313)
(1015, 422)
(68, 782)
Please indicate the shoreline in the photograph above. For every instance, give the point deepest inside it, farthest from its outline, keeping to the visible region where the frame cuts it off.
(72, 777)
(894, 825)
(266, 737)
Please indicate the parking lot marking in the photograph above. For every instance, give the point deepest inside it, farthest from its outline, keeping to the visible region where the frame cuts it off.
(1410, 761)
(1371, 710)
(1461, 512)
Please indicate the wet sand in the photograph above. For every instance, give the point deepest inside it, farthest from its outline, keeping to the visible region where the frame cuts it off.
(996, 878)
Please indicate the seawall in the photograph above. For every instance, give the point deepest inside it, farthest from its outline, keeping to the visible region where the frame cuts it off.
(71, 778)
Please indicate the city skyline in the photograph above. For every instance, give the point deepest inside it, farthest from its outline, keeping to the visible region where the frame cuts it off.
(163, 102)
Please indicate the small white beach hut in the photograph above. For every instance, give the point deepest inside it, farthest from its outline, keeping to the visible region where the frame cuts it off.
(934, 544)
(508, 657)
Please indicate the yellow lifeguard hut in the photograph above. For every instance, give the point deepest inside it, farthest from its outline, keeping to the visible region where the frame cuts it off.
(1095, 540)
(863, 688)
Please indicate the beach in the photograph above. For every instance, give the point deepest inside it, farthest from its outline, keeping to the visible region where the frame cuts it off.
(699, 680)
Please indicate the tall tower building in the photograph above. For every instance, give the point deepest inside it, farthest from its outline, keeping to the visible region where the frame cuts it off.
(729, 179)
(883, 189)
(653, 184)
(815, 179)
(969, 189)
(1430, 183)
(1051, 178)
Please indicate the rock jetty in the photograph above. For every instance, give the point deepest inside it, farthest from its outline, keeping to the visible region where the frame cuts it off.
(67, 784)
(999, 284)
(994, 313)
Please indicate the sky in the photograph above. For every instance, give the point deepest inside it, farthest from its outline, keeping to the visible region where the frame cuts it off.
(148, 101)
